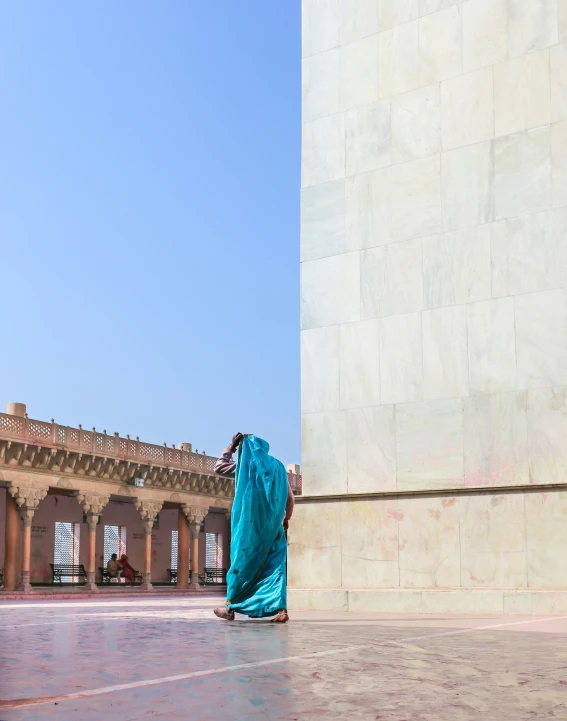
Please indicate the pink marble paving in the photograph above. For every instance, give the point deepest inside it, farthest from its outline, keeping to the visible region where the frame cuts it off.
(172, 652)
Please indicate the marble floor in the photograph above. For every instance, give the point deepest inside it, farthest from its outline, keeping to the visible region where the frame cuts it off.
(169, 658)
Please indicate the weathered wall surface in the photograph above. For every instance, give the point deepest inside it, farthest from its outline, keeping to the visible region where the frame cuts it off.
(433, 294)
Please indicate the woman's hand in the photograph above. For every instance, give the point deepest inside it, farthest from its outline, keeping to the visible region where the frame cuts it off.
(236, 440)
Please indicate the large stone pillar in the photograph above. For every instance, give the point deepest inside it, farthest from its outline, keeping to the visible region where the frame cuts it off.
(12, 545)
(183, 536)
(27, 500)
(196, 516)
(148, 511)
(92, 505)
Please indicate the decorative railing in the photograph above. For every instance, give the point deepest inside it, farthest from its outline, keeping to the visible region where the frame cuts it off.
(295, 481)
(53, 435)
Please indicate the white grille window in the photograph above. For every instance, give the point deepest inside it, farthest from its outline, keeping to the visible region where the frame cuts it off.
(174, 549)
(114, 542)
(67, 544)
(213, 554)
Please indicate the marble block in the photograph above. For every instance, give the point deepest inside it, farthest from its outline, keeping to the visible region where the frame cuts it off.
(416, 198)
(445, 363)
(562, 19)
(330, 290)
(323, 220)
(531, 25)
(320, 82)
(467, 96)
(522, 173)
(396, 12)
(315, 538)
(546, 523)
(371, 450)
(558, 66)
(429, 444)
(426, 7)
(357, 19)
(401, 364)
(496, 439)
(367, 210)
(547, 429)
(416, 124)
(359, 364)
(522, 93)
(398, 60)
(429, 542)
(320, 369)
(493, 541)
(485, 33)
(491, 346)
(320, 26)
(467, 181)
(559, 164)
(369, 541)
(456, 267)
(358, 77)
(391, 279)
(324, 453)
(541, 339)
(529, 253)
(367, 143)
(323, 155)
(440, 46)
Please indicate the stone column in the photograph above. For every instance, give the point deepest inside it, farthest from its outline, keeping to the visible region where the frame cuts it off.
(27, 500)
(226, 561)
(92, 505)
(148, 511)
(195, 516)
(183, 536)
(12, 544)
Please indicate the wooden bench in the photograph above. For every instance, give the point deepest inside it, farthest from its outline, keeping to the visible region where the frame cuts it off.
(211, 577)
(214, 577)
(59, 571)
(105, 576)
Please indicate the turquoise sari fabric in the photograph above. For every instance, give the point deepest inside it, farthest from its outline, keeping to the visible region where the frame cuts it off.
(257, 577)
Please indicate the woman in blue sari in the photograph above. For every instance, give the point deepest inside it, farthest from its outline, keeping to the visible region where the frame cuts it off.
(263, 504)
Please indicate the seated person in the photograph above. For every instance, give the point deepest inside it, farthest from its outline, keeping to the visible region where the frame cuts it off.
(127, 571)
(113, 567)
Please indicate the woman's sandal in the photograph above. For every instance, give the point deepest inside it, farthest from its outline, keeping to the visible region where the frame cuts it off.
(282, 617)
(225, 613)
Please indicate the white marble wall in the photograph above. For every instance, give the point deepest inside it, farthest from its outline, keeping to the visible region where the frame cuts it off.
(508, 540)
(434, 254)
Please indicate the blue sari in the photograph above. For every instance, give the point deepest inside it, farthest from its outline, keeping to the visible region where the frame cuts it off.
(257, 577)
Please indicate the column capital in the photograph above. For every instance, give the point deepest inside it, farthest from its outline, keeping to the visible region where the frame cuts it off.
(92, 505)
(194, 514)
(148, 510)
(27, 499)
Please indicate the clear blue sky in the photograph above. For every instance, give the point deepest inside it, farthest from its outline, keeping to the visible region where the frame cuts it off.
(149, 217)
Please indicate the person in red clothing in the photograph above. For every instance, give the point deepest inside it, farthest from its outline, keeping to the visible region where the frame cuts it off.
(127, 571)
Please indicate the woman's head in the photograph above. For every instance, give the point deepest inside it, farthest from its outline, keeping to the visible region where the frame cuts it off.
(123, 557)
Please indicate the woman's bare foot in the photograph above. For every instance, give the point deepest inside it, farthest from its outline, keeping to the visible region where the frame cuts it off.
(282, 617)
(225, 613)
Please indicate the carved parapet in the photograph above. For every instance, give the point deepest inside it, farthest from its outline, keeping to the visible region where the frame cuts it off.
(27, 499)
(148, 510)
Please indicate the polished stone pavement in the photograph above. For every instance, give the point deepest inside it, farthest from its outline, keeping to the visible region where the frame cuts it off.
(169, 658)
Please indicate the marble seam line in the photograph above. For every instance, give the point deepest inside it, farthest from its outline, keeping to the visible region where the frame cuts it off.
(223, 669)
